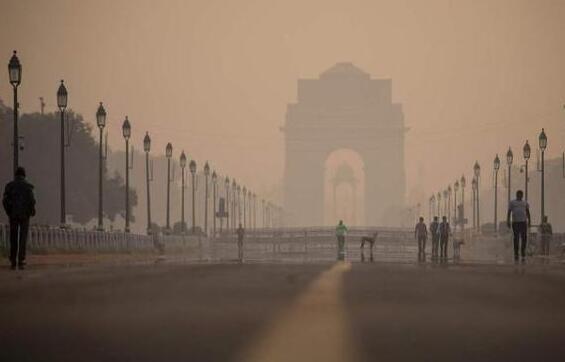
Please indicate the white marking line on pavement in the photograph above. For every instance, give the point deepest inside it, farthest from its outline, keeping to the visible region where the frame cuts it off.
(314, 328)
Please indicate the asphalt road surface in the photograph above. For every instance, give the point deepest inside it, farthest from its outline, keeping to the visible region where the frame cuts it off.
(284, 312)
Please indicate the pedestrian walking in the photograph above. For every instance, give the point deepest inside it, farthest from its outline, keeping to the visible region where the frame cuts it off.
(421, 235)
(434, 229)
(19, 204)
(519, 213)
(340, 231)
(240, 236)
(546, 236)
(444, 234)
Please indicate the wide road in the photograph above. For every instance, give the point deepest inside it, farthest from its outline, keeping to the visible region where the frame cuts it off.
(171, 311)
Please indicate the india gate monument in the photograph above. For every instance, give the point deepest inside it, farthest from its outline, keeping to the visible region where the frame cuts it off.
(344, 110)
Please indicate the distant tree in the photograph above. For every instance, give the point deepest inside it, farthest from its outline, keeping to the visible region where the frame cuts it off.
(41, 157)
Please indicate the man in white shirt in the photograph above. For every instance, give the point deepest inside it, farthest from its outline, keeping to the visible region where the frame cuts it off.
(520, 212)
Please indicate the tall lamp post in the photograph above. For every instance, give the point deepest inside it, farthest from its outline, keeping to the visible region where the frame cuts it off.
(214, 190)
(463, 182)
(496, 168)
(168, 154)
(474, 201)
(477, 171)
(439, 204)
(147, 148)
(62, 104)
(101, 123)
(542, 147)
(526, 151)
(183, 187)
(206, 198)
(15, 72)
(509, 160)
(244, 208)
(227, 205)
(192, 168)
(126, 131)
(233, 202)
(239, 204)
(432, 202)
(455, 191)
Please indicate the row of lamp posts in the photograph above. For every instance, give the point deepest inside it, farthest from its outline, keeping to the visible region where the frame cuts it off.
(249, 212)
(435, 200)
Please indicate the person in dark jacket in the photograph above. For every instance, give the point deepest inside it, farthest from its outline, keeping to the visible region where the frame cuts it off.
(19, 204)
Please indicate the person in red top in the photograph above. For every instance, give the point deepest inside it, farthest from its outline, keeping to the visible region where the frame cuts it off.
(421, 235)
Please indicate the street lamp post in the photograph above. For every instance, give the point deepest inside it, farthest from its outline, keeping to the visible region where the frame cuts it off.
(509, 160)
(15, 73)
(126, 131)
(432, 202)
(233, 202)
(239, 204)
(526, 151)
(183, 187)
(496, 168)
(463, 182)
(244, 208)
(101, 123)
(192, 168)
(227, 204)
(445, 204)
(474, 202)
(168, 154)
(439, 204)
(455, 190)
(542, 146)
(477, 171)
(147, 148)
(214, 187)
(62, 104)
(206, 198)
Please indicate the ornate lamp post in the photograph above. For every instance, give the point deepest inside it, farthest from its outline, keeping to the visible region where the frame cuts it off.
(147, 148)
(445, 204)
(542, 147)
(432, 203)
(244, 209)
(509, 160)
(206, 198)
(183, 187)
(101, 123)
(263, 213)
(474, 188)
(214, 190)
(192, 167)
(168, 154)
(234, 202)
(477, 171)
(126, 131)
(62, 104)
(239, 204)
(254, 211)
(439, 204)
(455, 190)
(15, 72)
(227, 205)
(526, 151)
(463, 182)
(496, 168)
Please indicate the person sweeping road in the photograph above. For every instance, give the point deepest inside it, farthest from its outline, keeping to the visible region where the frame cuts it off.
(340, 231)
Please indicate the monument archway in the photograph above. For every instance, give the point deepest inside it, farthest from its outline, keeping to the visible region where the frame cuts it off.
(343, 109)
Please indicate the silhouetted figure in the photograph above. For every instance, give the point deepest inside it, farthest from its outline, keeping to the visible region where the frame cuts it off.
(546, 236)
(520, 212)
(369, 239)
(240, 235)
(340, 231)
(444, 233)
(434, 229)
(19, 204)
(421, 235)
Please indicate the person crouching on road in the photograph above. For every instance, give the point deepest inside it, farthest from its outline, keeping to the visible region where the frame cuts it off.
(421, 235)
(340, 231)
(520, 212)
(19, 204)
(444, 233)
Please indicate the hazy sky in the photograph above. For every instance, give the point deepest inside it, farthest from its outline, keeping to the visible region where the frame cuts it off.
(214, 77)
